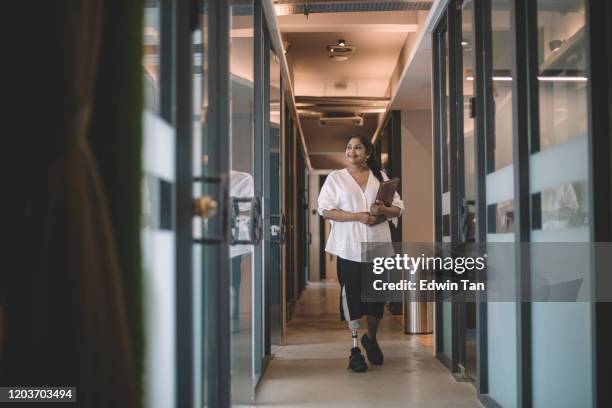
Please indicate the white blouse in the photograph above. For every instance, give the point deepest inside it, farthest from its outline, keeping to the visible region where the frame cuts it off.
(342, 192)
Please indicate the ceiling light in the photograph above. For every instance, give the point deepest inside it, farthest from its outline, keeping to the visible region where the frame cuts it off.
(495, 78)
(464, 43)
(555, 44)
(541, 78)
(563, 78)
(338, 58)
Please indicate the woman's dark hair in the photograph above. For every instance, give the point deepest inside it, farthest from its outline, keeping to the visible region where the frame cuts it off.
(370, 153)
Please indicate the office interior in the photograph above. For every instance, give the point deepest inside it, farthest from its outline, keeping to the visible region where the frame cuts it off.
(166, 245)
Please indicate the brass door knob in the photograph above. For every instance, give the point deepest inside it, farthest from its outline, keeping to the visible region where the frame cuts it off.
(205, 207)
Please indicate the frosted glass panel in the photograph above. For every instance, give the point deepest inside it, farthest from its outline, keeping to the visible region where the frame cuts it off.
(500, 185)
(501, 317)
(157, 235)
(158, 259)
(501, 352)
(561, 332)
(562, 354)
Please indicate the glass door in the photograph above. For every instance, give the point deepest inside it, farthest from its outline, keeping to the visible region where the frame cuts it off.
(276, 219)
(444, 308)
(226, 194)
(209, 165)
(467, 180)
(244, 204)
(457, 180)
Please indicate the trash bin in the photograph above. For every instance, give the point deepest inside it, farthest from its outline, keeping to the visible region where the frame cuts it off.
(418, 314)
(418, 317)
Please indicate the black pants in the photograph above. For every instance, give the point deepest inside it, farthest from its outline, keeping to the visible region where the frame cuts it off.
(349, 276)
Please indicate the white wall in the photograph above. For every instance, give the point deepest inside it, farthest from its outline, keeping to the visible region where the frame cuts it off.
(417, 176)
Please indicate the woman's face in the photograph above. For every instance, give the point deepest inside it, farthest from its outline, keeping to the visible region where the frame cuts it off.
(355, 152)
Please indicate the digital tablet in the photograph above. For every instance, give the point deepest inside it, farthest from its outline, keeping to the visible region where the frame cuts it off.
(387, 190)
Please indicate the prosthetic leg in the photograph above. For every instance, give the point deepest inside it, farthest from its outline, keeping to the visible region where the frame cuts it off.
(354, 327)
(356, 360)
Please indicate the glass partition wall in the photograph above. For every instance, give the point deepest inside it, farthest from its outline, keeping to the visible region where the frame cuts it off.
(277, 220)
(513, 147)
(224, 105)
(499, 200)
(560, 205)
(158, 233)
(466, 181)
(455, 176)
(442, 172)
(241, 193)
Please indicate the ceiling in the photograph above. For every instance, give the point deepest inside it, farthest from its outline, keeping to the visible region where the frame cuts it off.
(359, 86)
(365, 73)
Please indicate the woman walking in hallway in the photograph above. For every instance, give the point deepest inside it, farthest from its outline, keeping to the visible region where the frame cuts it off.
(348, 200)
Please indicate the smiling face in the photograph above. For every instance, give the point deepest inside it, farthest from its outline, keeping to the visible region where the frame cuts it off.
(356, 152)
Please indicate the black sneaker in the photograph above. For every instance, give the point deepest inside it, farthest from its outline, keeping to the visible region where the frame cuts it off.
(357, 361)
(373, 352)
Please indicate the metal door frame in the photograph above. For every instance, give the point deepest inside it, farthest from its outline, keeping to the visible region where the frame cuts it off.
(214, 366)
(449, 25)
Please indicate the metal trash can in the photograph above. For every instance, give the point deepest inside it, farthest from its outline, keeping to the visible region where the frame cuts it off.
(418, 314)
(418, 317)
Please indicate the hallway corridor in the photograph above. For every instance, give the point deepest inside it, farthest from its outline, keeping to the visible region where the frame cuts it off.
(309, 370)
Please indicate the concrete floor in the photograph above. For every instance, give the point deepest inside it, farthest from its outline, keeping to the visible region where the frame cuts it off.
(309, 369)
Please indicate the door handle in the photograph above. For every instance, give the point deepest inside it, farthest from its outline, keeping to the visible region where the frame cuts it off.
(240, 222)
(206, 207)
(278, 232)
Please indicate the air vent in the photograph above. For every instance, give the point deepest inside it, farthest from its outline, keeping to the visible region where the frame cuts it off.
(340, 51)
(288, 7)
(341, 121)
